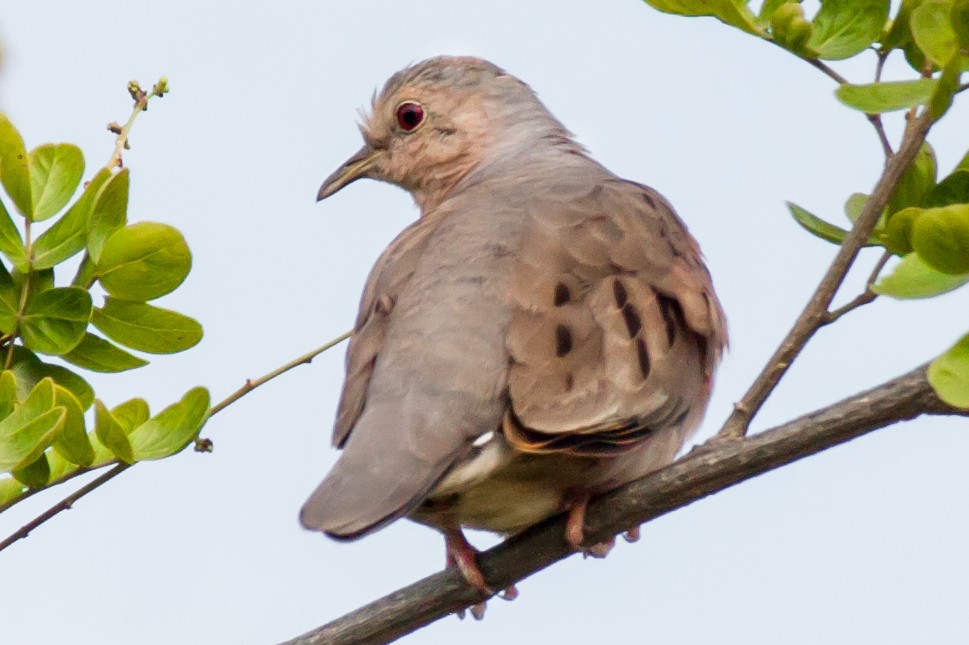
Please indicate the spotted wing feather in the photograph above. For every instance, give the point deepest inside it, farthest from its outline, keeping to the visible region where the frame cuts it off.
(616, 329)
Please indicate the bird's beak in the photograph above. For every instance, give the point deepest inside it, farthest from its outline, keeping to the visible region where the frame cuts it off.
(355, 167)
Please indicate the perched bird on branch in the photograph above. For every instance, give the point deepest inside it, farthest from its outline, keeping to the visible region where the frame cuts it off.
(545, 332)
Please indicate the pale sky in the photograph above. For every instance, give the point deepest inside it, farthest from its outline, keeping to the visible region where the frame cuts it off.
(866, 543)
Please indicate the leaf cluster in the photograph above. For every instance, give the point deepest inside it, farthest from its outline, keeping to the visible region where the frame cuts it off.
(44, 435)
(926, 222)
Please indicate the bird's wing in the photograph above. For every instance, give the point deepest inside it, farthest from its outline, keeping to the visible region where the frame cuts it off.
(387, 279)
(427, 371)
(616, 329)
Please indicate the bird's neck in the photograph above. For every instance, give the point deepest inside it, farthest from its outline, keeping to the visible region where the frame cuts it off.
(557, 149)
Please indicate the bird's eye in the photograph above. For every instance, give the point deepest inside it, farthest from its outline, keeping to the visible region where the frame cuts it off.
(409, 115)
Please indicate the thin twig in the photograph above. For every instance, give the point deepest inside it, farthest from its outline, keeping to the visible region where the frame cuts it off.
(141, 99)
(69, 501)
(880, 65)
(815, 312)
(703, 472)
(814, 62)
(64, 504)
(865, 296)
(876, 119)
(302, 360)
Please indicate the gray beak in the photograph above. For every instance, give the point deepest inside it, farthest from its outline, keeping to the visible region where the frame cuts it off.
(355, 168)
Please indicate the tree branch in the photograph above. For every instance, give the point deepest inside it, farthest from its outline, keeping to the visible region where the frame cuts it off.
(120, 467)
(815, 312)
(707, 470)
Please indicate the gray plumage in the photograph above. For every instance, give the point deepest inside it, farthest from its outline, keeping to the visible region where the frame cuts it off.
(544, 332)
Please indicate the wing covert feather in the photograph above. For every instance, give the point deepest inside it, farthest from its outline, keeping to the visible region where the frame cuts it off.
(616, 329)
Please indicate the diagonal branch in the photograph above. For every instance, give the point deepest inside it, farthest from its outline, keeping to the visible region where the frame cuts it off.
(816, 311)
(119, 467)
(704, 471)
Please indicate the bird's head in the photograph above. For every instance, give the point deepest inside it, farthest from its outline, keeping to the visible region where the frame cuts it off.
(438, 120)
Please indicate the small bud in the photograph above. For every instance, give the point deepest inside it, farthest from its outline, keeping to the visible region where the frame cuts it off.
(161, 87)
(204, 445)
(114, 128)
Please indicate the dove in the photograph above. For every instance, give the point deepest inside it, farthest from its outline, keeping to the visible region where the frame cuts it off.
(543, 333)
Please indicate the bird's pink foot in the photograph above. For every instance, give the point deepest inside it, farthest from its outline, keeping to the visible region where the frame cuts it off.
(462, 555)
(574, 523)
(575, 531)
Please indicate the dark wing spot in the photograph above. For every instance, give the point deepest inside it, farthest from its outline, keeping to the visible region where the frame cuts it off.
(562, 295)
(569, 382)
(563, 340)
(649, 200)
(643, 358)
(633, 322)
(672, 315)
(619, 291)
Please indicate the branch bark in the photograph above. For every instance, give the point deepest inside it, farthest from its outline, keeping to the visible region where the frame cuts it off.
(816, 311)
(707, 470)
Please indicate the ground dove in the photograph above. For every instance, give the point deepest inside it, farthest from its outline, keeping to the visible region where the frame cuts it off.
(545, 332)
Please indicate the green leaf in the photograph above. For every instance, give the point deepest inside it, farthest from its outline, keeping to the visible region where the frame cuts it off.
(916, 59)
(843, 28)
(14, 170)
(39, 281)
(733, 12)
(9, 301)
(98, 355)
(954, 189)
(146, 328)
(34, 475)
(172, 429)
(30, 428)
(959, 17)
(131, 414)
(875, 98)
(144, 261)
(72, 443)
(102, 455)
(108, 213)
(949, 374)
(963, 163)
(68, 235)
(916, 183)
(768, 8)
(111, 434)
(8, 393)
(60, 468)
(941, 237)
(11, 244)
(10, 491)
(819, 228)
(30, 370)
(86, 273)
(54, 320)
(933, 32)
(855, 204)
(900, 33)
(947, 88)
(912, 278)
(791, 30)
(55, 172)
(897, 236)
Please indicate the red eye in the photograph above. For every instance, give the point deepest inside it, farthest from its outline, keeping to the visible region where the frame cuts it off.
(409, 115)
